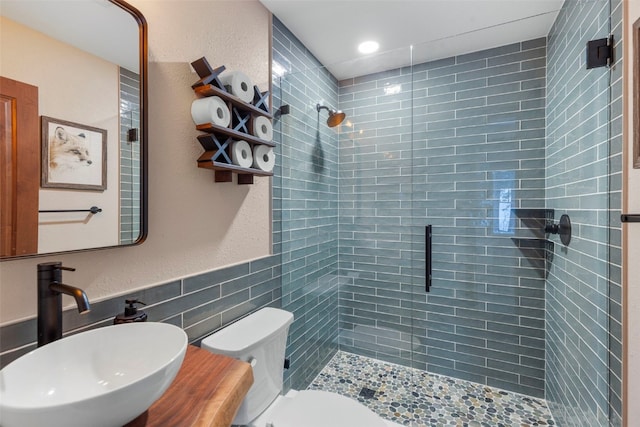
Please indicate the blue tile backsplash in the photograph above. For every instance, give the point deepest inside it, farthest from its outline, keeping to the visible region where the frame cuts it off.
(199, 304)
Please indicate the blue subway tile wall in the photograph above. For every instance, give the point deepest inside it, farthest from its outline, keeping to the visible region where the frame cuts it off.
(308, 188)
(129, 157)
(457, 143)
(577, 171)
(199, 304)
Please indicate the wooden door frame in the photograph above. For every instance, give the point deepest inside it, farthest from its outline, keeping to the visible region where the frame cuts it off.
(19, 168)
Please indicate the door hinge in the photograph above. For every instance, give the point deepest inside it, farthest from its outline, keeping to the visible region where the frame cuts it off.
(600, 52)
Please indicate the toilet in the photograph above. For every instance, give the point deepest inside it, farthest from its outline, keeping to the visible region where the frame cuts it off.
(260, 339)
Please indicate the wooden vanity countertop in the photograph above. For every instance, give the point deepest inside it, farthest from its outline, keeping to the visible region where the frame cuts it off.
(207, 392)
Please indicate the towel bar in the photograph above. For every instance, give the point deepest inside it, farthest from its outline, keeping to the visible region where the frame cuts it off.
(92, 209)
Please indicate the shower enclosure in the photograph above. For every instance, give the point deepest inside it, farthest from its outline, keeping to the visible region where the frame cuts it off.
(419, 230)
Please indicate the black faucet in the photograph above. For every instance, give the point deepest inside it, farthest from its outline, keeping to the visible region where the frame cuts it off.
(50, 290)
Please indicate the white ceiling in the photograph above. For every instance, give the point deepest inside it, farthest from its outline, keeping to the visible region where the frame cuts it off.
(332, 29)
(95, 26)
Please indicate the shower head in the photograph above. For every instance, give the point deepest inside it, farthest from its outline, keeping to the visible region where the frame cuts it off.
(335, 117)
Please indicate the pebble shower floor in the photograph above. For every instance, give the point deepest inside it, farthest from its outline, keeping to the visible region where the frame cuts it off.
(416, 398)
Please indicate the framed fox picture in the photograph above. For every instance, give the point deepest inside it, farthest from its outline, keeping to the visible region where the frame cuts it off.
(74, 156)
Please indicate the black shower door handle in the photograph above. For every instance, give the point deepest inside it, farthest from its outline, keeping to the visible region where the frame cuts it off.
(630, 217)
(427, 257)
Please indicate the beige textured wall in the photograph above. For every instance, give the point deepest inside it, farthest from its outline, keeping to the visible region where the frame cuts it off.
(80, 79)
(195, 224)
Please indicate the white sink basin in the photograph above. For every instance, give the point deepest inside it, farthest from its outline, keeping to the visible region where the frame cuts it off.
(103, 377)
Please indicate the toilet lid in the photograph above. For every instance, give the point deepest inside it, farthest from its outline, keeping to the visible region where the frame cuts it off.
(313, 408)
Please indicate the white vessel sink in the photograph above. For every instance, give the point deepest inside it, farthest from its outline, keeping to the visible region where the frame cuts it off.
(103, 377)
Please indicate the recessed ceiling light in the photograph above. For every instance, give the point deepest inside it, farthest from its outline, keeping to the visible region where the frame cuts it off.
(368, 47)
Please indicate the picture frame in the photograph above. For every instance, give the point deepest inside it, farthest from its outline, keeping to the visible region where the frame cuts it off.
(74, 156)
(636, 94)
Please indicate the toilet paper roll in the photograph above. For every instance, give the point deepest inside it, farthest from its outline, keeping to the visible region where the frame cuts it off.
(264, 158)
(210, 110)
(239, 83)
(262, 128)
(241, 154)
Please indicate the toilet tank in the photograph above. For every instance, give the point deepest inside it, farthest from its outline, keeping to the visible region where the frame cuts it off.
(260, 339)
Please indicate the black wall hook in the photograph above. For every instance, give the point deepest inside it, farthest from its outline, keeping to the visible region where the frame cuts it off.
(563, 228)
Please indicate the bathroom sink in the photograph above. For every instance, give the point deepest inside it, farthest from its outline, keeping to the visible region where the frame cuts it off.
(103, 377)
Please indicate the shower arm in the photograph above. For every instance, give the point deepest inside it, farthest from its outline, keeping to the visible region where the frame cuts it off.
(335, 117)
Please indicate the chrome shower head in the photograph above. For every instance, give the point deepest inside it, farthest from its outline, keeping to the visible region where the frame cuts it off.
(335, 116)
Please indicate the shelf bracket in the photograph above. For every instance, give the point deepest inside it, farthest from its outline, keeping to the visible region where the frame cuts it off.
(210, 143)
(261, 99)
(240, 121)
(207, 74)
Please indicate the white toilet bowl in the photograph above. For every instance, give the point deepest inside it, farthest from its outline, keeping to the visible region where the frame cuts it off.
(260, 339)
(313, 408)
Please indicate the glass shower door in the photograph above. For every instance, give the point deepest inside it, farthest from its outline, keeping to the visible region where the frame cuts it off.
(345, 196)
(479, 161)
(307, 204)
(506, 141)
(378, 313)
(375, 214)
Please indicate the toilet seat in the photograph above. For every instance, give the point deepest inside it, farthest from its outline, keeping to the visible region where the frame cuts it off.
(314, 408)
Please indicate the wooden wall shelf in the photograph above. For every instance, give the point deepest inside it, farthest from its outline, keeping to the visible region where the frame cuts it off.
(224, 171)
(210, 90)
(215, 129)
(217, 140)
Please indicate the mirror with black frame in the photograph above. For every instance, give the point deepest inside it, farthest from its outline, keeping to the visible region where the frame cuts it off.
(73, 126)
